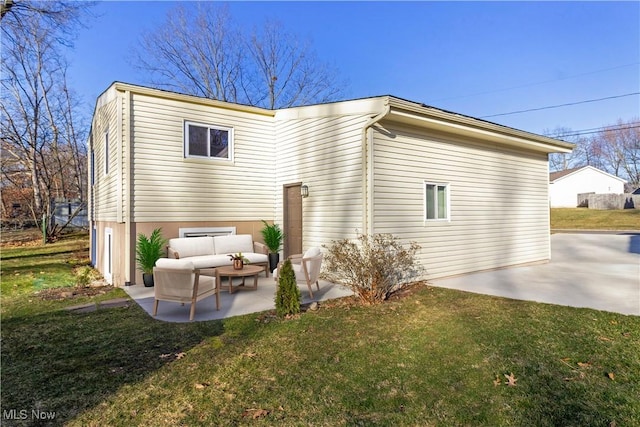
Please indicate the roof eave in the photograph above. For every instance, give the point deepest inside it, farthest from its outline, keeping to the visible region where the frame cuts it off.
(433, 118)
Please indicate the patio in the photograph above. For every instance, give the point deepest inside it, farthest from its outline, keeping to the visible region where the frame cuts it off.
(241, 301)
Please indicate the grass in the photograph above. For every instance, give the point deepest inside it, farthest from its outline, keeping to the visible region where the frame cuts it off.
(429, 358)
(591, 219)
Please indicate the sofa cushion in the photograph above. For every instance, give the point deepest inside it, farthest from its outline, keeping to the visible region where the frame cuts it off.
(210, 261)
(255, 258)
(192, 246)
(232, 244)
(175, 263)
(311, 252)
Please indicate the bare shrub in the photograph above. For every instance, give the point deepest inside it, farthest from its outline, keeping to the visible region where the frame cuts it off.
(372, 266)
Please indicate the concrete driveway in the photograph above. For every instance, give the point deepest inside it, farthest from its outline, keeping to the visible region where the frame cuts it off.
(594, 270)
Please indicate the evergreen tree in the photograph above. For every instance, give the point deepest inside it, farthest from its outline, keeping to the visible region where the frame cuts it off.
(288, 294)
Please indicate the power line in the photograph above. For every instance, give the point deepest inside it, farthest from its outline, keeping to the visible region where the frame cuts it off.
(560, 105)
(536, 84)
(598, 130)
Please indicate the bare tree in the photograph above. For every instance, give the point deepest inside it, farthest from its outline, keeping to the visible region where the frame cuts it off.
(614, 149)
(39, 136)
(618, 148)
(195, 51)
(576, 158)
(285, 72)
(199, 50)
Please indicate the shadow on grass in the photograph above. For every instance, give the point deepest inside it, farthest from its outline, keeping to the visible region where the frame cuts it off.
(68, 362)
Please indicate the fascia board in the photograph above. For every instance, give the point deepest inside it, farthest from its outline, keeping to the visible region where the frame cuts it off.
(404, 111)
(190, 99)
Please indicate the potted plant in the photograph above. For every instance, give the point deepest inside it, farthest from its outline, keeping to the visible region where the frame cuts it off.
(273, 238)
(238, 260)
(148, 251)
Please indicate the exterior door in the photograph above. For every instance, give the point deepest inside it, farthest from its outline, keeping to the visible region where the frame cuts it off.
(292, 219)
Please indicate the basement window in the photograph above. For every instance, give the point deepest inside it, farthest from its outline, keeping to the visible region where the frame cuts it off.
(436, 201)
(208, 141)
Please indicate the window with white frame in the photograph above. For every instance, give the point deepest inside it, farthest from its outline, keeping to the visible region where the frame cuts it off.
(436, 201)
(208, 141)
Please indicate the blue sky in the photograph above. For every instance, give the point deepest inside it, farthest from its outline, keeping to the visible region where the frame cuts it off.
(473, 58)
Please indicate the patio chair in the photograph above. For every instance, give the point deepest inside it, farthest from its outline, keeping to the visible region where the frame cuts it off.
(306, 267)
(178, 281)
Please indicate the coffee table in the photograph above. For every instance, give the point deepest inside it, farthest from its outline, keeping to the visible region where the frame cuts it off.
(247, 271)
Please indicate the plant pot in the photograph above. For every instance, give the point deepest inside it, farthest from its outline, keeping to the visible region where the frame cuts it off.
(147, 279)
(274, 259)
(238, 264)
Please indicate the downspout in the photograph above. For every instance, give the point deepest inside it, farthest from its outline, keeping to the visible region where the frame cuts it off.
(367, 169)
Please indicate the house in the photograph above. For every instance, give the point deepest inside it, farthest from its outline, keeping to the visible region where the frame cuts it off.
(564, 186)
(472, 193)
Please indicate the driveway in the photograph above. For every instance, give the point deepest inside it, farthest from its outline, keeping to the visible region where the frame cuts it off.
(594, 270)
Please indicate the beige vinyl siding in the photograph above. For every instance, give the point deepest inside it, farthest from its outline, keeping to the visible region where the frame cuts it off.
(325, 153)
(169, 187)
(498, 200)
(105, 192)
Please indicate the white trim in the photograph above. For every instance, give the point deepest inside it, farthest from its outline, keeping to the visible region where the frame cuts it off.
(108, 255)
(230, 142)
(206, 231)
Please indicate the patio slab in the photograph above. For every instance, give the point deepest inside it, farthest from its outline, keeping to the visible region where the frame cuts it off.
(241, 301)
(599, 270)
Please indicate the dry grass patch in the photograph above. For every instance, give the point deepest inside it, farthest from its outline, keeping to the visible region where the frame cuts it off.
(592, 219)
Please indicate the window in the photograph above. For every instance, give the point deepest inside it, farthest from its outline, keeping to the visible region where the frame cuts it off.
(214, 142)
(106, 153)
(436, 201)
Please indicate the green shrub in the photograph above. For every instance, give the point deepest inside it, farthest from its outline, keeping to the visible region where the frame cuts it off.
(373, 266)
(288, 294)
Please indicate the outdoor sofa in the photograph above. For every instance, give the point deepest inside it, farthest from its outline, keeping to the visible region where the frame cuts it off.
(214, 251)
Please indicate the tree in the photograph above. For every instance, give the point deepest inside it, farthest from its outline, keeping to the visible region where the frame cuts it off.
(39, 134)
(195, 51)
(614, 149)
(563, 161)
(287, 295)
(285, 73)
(618, 148)
(199, 51)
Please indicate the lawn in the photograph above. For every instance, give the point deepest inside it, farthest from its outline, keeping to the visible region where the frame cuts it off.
(590, 219)
(431, 357)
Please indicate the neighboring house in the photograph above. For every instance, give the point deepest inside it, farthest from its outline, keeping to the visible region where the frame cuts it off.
(472, 193)
(564, 186)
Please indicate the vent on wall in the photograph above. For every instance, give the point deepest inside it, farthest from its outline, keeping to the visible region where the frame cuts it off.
(206, 231)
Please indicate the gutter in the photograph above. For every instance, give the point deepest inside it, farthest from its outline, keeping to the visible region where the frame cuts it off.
(367, 168)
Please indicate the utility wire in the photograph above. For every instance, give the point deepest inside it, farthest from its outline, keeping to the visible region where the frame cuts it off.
(536, 83)
(560, 105)
(595, 130)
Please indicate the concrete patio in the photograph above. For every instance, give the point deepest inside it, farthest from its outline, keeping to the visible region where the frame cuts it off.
(241, 301)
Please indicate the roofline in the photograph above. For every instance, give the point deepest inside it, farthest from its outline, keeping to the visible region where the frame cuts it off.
(162, 93)
(588, 167)
(399, 108)
(454, 121)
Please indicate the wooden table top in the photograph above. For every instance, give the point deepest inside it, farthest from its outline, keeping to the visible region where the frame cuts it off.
(248, 270)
